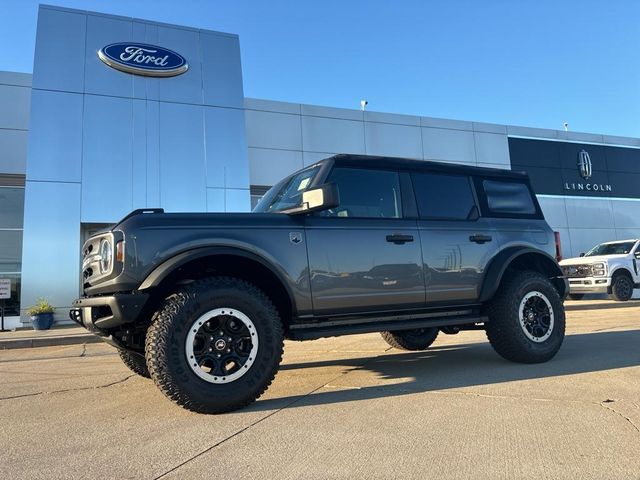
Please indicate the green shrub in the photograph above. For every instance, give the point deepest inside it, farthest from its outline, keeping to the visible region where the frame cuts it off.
(41, 306)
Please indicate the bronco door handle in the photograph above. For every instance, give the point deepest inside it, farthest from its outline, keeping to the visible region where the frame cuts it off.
(398, 238)
(480, 238)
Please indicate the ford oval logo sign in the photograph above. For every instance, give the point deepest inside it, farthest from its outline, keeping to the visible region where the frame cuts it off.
(143, 59)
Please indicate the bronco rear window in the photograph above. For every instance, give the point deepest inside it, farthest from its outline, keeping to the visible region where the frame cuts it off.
(508, 198)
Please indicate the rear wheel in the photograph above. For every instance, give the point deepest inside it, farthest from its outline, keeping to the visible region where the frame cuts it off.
(416, 339)
(575, 296)
(215, 345)
(135, 362)
(526, 319)
(621, 287)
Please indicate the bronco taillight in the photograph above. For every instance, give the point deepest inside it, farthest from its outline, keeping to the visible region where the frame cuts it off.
(558, 246)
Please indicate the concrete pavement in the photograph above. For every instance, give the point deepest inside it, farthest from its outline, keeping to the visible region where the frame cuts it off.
(346, 407)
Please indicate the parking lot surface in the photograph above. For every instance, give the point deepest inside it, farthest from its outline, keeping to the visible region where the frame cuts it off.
(347, 407)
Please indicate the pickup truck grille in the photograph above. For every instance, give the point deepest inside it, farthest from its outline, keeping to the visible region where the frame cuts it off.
(577, 271)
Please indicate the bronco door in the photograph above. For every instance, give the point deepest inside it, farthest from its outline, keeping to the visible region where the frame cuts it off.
(457, 244)
(364, 255)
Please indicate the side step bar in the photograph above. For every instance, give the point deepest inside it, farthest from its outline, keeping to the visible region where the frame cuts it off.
(334, 330)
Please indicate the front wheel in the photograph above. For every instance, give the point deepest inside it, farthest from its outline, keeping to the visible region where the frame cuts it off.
(134, 362)
(215, 345)
(526, 319)
(621, 287)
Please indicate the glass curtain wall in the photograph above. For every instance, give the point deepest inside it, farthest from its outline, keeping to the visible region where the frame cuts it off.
(11, 219)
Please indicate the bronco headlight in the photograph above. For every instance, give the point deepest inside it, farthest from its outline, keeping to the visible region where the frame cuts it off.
(106, 256)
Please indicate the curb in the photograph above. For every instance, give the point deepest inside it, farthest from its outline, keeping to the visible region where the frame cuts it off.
(601, 306)
(48, 341)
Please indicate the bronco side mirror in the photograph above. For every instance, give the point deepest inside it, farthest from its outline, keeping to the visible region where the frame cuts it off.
(321, 198)
(316, 199)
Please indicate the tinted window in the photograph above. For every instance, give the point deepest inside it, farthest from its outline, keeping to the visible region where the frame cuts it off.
(366, 193)
(508, 197)
(11, 250)
(443, 196)
(11, 207)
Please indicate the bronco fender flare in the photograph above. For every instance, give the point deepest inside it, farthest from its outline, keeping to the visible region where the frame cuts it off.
(546, 264)
(163, 270)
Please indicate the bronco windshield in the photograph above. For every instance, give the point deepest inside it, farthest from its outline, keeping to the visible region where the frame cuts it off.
(287, 193)
(617, 248)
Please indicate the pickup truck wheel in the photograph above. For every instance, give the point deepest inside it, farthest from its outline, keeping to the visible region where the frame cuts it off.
(526, 319)
(416, 339)
(135, 362)
(215, 345)
(621, 287)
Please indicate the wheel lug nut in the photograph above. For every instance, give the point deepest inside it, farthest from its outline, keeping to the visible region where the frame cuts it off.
(221, 332)
(218, 355)
(210, 349)
(228, 350)
(228, 339)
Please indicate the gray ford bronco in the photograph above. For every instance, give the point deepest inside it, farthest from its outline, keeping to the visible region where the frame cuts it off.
(202, 302)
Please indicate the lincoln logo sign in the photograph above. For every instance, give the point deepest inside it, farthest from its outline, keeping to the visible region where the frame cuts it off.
(585, 168)
(143, 59)
(584, 164)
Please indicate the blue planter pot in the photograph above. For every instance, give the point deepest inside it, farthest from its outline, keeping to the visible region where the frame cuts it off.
(42, 321)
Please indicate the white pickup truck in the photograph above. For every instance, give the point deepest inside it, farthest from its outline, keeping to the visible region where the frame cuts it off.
(611, 267)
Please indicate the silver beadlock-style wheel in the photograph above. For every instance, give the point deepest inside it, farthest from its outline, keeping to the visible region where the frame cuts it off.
(536, 316)
(221, 345)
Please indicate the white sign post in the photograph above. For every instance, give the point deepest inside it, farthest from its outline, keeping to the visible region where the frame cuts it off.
(5, 293)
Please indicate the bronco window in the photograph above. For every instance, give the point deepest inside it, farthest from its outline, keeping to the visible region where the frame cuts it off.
(443, 197)
(288, 193)
(366, 193)
(508, 197)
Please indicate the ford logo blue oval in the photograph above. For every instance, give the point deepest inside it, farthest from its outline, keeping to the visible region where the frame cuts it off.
(143, 59)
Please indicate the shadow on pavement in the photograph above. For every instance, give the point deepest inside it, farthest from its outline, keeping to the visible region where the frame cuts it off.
(445, 367)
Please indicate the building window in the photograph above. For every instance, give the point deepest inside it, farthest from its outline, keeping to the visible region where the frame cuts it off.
(11, 222)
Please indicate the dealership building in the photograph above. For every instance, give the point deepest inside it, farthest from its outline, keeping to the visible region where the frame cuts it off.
(87, 138)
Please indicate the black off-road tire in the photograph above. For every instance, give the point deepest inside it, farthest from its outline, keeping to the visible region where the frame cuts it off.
(504, 330)
(575, 296)
(621, 287)
(166, 339)
(412, 340)
(135, 363)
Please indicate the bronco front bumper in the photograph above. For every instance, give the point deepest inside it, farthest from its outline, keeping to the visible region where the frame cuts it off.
(99, 314)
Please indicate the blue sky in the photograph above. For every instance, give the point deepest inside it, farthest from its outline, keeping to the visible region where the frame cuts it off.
(536, 63)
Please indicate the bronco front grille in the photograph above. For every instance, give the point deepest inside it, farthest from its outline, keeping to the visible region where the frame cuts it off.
(91, 260)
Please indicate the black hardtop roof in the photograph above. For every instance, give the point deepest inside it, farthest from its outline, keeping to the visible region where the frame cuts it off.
(349, 160)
